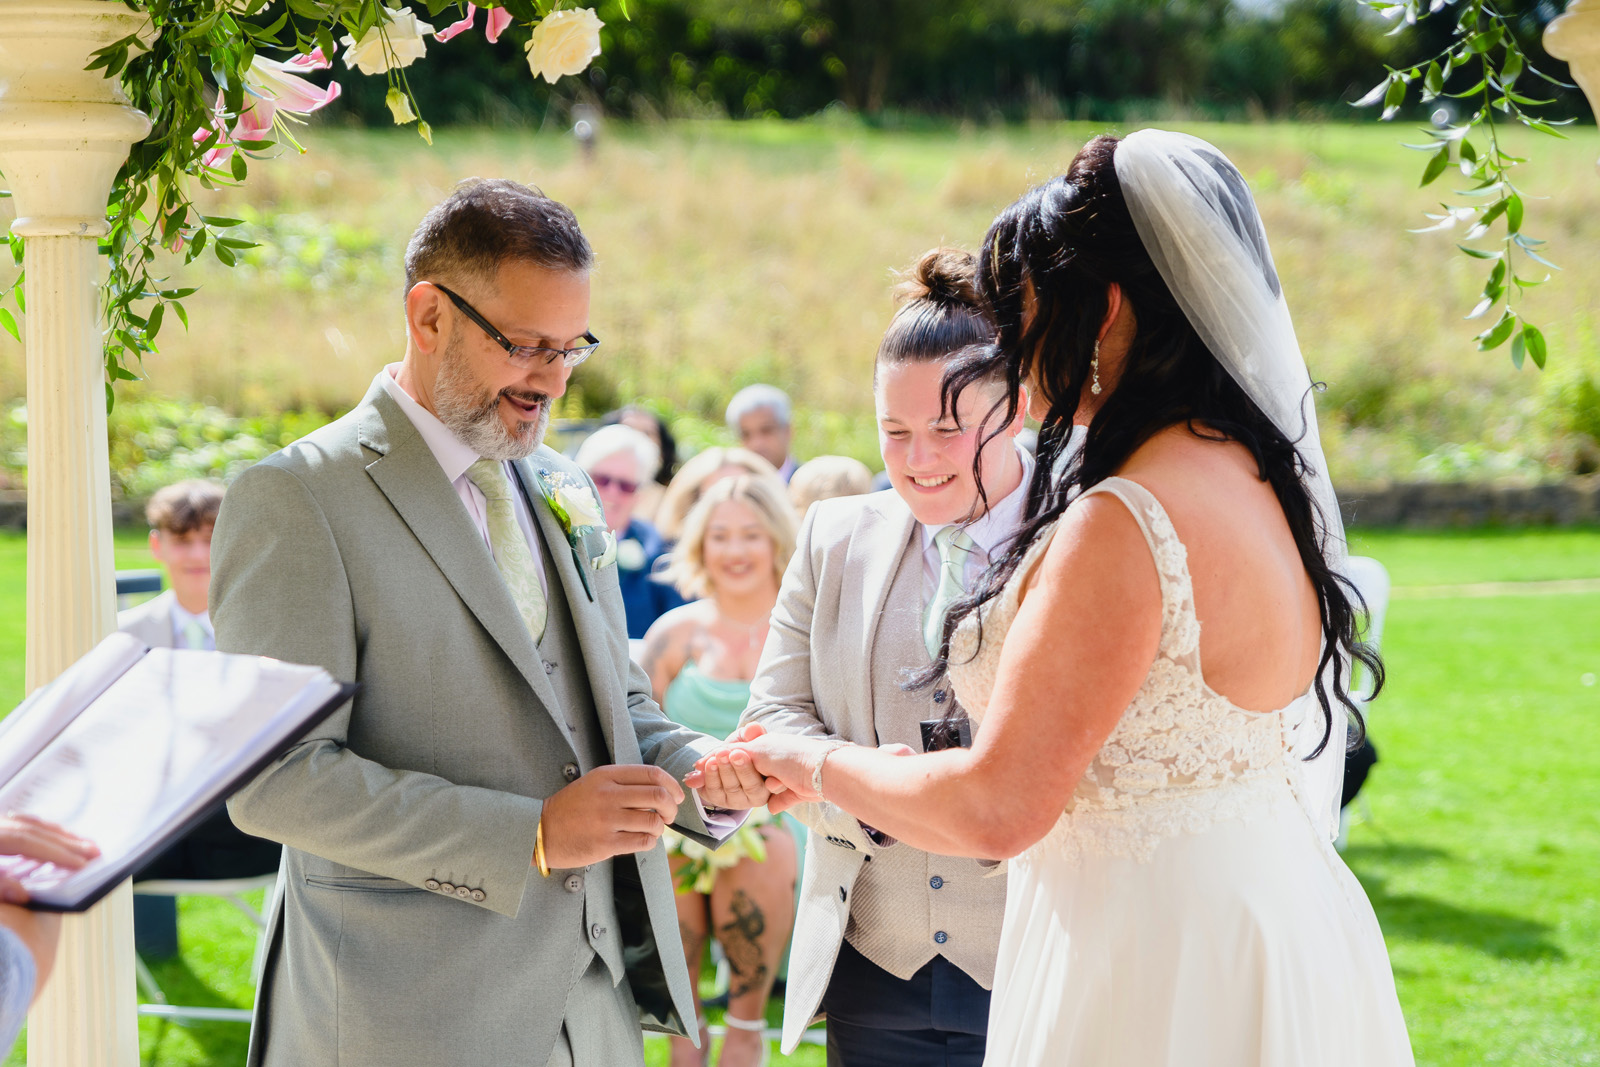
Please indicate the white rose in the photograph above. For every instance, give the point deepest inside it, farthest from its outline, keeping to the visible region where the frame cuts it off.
(405, 47)
(581, 506)
(564, 43)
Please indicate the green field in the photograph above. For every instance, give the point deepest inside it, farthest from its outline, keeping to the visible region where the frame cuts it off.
(1478, 845)
(736, 252)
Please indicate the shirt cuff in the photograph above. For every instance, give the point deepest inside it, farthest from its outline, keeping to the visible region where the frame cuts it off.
(720, 823)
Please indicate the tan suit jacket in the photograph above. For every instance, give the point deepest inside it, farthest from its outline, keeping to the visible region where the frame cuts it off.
(846, 625)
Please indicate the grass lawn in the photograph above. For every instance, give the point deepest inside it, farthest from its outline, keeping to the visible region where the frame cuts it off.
(1479, 854)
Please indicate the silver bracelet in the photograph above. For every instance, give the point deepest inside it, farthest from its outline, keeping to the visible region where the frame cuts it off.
(816, 775)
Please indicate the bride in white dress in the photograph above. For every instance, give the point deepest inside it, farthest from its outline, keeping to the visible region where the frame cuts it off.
(1150, 664)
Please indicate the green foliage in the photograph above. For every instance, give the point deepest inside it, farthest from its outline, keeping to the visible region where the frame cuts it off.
(1485, 50)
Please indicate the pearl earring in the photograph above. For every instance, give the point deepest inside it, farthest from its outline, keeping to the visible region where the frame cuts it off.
(1094, 386)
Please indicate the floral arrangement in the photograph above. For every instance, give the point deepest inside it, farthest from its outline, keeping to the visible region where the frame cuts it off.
(202, 71)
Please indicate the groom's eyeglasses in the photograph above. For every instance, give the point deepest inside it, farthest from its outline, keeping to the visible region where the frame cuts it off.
(523, 355)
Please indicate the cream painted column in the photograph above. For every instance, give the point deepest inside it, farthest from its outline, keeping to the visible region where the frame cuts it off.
(1575, 38)
(64, 132)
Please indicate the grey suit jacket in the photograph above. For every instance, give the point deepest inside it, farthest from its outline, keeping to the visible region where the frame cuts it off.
(150, 622)
(411, 926)
(851, 599)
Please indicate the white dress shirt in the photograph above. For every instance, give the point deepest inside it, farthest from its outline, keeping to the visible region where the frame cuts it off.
(181, 620)
(989, 533)
(455, 457)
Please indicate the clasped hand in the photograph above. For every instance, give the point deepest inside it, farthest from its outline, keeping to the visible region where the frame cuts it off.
(787, 764)
(622, 809)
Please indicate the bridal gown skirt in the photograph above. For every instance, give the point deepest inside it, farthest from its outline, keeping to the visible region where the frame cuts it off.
(1246, 944)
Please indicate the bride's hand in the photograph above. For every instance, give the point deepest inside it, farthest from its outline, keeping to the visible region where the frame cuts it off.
(787, 761)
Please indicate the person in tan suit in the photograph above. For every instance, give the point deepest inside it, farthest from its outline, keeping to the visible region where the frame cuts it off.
(897, 946)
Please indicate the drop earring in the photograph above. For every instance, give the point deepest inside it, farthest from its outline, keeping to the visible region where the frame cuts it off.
(1094, 365)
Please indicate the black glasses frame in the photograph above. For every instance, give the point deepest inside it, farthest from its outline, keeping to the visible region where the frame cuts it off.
(522, 355)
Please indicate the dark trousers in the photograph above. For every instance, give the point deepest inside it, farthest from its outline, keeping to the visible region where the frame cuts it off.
(936, 1018)
(214, 849)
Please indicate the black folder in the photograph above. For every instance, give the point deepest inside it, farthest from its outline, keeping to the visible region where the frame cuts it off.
(132, 747)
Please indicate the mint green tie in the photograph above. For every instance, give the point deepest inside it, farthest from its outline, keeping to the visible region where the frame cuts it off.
(511, 552)
(194, 635)
(954, 547)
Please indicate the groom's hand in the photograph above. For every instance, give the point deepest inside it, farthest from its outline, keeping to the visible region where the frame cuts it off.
(733, 783)
(611, 811)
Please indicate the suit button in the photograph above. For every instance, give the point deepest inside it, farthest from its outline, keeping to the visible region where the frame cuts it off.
(573, 883)
(479, 896)
(431, 883)
(463, 892)
(446, 887)
(597, 931)
(941, 937)
(549, 668)
(570, 772)
(939, 696)
(936, 882)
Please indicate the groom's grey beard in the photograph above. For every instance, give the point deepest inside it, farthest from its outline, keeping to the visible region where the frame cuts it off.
(473, 415)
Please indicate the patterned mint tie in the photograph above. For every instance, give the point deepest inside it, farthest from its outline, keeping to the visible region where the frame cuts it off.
(954, 547)
(511, 552)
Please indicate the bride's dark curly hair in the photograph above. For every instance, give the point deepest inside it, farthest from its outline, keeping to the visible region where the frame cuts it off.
(1069, 239)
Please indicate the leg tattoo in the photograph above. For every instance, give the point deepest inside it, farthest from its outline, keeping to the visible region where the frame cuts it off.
(741, 940)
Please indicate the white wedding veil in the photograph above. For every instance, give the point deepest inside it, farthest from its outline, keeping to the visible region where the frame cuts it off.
(1200, 225)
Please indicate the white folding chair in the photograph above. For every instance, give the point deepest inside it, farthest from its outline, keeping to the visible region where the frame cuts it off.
(1371, 580)
(232, 890)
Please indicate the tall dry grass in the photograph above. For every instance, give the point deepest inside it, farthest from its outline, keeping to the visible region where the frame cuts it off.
(730, 253)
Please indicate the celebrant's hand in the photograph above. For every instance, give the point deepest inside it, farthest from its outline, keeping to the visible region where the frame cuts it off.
(35, 839)
(610, 811)
(733, 783)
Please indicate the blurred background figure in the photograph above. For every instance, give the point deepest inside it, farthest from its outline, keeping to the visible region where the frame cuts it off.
(698, 474)
(826, 477)
(736, 542)
(28, 938)
(654, 427)
(762, 417)
(181, 518)
(622, 461)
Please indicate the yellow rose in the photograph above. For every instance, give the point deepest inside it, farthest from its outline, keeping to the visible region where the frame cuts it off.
(564, 43)
(404, 33)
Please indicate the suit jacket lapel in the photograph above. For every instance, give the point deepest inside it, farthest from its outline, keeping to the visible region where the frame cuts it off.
(409, 475)
(894, 527)
(594, 638)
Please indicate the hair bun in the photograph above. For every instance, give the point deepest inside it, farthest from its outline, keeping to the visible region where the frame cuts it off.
(942, 276)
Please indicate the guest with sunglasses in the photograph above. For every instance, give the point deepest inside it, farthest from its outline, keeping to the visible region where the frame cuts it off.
(620, 461)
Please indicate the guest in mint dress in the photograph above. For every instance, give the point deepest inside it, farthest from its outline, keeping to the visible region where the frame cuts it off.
(737, 540)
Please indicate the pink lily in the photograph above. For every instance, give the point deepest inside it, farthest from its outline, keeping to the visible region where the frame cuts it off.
(497, 22)
(274, 87)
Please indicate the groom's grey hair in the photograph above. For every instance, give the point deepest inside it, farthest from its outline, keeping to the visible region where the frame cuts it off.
(488, 221)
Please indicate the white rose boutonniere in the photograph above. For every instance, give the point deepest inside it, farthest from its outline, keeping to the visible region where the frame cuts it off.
(564, 42)
(580, 504)
(630, 555)
(388, 45)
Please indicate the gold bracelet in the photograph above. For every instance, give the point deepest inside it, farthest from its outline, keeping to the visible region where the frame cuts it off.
(538, 848)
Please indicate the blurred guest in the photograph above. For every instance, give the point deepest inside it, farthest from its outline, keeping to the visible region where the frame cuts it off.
(181, 518)
(621, 461)
(28, 938)
(654, 427)
(826, 477)
(697, 474)
(700, 657)
(762, 417)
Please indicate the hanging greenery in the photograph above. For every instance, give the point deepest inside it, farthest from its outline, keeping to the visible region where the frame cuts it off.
(1490, 211)
(201, 70)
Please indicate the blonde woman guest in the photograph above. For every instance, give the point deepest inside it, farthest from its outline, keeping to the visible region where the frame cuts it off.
(621, 461)
(700, 658)
(699, 473)
(827, 477)
(896, 945)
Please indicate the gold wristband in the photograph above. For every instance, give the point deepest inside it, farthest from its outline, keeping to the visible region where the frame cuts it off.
(538, 849)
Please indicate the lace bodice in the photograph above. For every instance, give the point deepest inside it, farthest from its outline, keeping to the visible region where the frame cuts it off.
(1182, 757)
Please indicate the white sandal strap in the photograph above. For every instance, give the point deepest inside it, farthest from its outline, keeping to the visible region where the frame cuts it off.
(755, 1025)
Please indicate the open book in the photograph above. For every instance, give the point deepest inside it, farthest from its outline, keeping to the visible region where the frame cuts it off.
(131, 747)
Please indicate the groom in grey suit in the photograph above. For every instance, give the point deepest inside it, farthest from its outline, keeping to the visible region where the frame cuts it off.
(472, 871)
